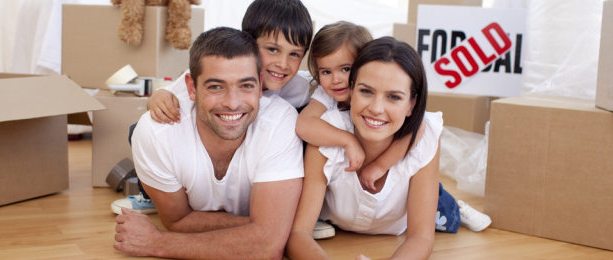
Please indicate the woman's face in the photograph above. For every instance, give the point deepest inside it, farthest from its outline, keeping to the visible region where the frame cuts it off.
(380, 100)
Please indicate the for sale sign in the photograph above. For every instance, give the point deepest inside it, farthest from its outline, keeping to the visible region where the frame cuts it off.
(471, 50)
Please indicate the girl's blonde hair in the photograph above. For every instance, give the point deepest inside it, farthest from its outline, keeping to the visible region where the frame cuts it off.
(331, 37)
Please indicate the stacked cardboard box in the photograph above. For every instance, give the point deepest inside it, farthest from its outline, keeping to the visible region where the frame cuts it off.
(468, 112)
(33, 134)
(92, 51)
(550, 171)
(110, 132)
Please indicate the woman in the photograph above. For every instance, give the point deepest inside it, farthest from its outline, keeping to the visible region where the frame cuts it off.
(388, 101)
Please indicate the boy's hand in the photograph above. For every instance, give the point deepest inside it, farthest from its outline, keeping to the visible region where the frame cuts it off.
(164, 107)
(369, 175)
(355, 155)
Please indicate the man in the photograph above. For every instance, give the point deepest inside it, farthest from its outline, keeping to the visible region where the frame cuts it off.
(227, 178)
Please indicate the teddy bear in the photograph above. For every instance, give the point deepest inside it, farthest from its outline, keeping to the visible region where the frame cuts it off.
(178, 33)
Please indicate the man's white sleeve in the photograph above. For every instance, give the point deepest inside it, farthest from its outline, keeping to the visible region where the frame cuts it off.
(152, 157)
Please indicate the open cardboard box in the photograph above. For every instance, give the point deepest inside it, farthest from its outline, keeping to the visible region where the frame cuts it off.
(33, 133)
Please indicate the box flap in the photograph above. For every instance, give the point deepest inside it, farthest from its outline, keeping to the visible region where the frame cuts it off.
(551, 102)
(34, 97)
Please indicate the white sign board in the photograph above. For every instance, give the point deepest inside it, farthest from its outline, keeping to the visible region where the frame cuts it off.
(471, 50)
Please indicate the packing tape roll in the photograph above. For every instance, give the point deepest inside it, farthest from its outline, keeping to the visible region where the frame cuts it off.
(122, 76)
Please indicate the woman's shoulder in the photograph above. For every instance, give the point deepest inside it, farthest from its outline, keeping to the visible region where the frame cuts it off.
(427, 141)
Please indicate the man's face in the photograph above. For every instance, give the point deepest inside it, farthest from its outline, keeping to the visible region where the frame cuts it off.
(227, 96)
(280, 60)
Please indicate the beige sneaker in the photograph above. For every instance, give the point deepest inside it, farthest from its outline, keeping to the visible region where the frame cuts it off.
(323, 230)
(472, 218)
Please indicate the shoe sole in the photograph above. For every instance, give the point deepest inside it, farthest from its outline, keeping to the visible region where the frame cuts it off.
(117, 210)
(480, 227)
(324, 233)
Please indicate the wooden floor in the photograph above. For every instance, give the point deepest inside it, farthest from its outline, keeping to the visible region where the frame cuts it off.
(78, 224)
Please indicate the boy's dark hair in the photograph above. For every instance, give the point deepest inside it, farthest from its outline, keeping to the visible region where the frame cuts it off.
(388, 49)
(289, 17)
(221, 41)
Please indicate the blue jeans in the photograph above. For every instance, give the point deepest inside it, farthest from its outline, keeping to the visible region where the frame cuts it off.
(447, 212)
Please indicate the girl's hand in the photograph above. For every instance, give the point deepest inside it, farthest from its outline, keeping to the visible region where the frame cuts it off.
(369, 175)
(164, 107)
(355, 155)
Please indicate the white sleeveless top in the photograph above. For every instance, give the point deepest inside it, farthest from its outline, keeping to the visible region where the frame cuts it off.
(350, 207)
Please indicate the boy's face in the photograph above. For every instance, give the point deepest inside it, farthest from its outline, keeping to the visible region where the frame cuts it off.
(280, 60)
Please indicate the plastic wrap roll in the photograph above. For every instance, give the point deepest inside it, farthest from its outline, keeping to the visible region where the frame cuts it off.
(561, 57)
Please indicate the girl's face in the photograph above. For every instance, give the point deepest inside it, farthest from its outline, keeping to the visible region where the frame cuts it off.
(333, 72)
(381, 100)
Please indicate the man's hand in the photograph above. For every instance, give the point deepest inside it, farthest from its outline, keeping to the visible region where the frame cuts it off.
(136, 234)
(164, 107)
(362, 257)
(369, 175)
(355, 155)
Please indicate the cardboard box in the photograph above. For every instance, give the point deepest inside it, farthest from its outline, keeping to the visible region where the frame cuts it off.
(92, 51)
(33, 133)
(413, 4)
(549, 169)
(110, 132)
(467, 112)
(406, 33)
(604, 89)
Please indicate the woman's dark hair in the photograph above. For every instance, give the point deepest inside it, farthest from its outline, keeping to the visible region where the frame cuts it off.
(388, 49)
(289, 17)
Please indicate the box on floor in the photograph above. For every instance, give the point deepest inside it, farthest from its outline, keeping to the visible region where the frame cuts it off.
(110, 132)
(92, 51)
(33, 133)
(550, 171)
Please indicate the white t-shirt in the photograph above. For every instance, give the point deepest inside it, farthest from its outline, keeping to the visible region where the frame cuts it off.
(322, 97)
(168, 157)
(296, 91)
(350, 207)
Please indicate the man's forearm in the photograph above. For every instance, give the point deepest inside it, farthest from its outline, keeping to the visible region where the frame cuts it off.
(203, 221)
(240, 242)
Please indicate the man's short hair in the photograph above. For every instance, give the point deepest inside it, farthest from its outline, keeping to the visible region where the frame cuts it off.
(224, 42)
(289, 17)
